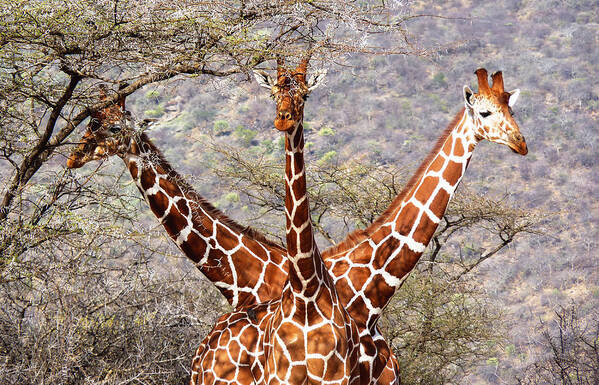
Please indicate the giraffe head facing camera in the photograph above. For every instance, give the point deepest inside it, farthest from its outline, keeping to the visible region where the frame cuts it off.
(290, 90)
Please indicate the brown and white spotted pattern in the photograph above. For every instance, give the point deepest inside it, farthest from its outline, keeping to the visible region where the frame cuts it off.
(311, 337)
(398, 239)
(236, 338)
(211, 240)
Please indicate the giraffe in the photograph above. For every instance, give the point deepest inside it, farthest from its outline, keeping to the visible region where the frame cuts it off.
(306, 336)
(243, 264)
(392, 245)
(369, 265)
(310, 338)
(352, 261)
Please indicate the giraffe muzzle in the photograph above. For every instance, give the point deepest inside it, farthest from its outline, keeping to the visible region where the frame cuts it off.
(74, 162)
(518, 145)
(284, 121)
(77, 157)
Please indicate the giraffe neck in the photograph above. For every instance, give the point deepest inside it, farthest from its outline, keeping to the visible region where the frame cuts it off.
(305, 262)
(214, 243)
(394, 248)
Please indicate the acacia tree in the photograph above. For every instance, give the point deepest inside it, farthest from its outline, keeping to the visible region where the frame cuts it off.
(52, 54)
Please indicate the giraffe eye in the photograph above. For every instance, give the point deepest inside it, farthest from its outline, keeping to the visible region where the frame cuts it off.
(305, 97)
(94, 124)
(115, 128)
(484, 114)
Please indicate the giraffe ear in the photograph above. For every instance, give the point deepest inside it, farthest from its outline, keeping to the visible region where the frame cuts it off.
(316, 79)
(513, 97)
(264, 79)
(467, 96)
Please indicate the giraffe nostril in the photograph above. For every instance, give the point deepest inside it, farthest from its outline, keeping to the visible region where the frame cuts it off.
(288, 116)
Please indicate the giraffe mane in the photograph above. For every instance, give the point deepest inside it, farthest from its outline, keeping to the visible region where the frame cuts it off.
(188, 190)
(359, 235)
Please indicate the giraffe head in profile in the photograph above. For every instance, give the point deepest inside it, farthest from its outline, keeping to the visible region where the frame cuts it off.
(491, 112)
(106, 134)
(290, 90)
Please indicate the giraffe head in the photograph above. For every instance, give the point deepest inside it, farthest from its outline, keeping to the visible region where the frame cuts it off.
(104, 136)
(290, 90)
(491, 111)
